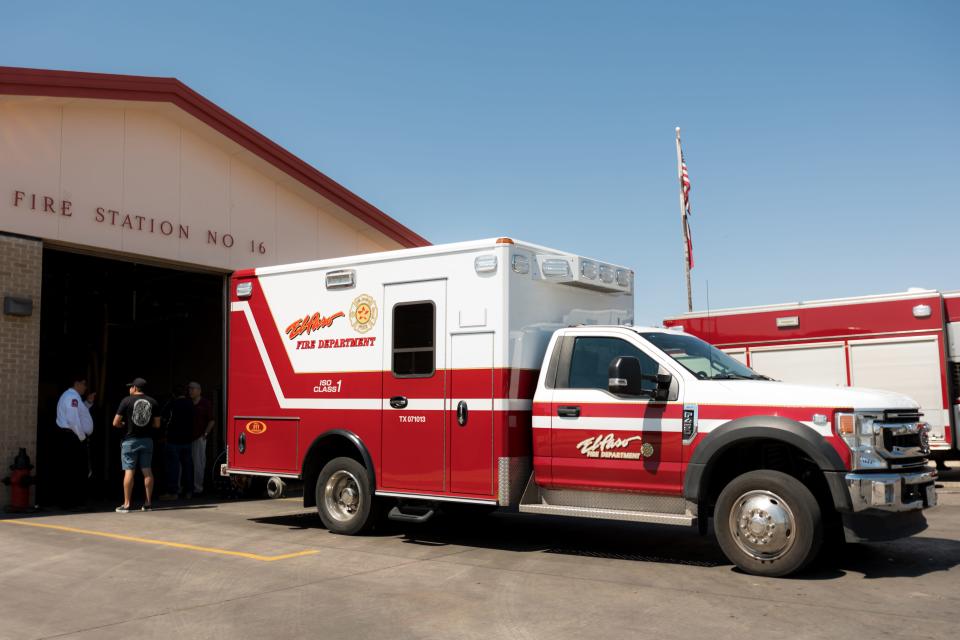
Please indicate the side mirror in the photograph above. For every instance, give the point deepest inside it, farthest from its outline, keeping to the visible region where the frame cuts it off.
(626, 376)
(662, 392)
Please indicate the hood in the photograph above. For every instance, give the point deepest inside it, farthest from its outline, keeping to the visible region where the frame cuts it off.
(773, 393)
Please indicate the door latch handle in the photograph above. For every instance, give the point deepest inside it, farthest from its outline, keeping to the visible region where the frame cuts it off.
(462, 412)
(568, 412)
(242, 444)
(398, 402)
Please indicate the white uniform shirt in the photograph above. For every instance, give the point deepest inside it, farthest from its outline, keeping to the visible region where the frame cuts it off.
(74, 414)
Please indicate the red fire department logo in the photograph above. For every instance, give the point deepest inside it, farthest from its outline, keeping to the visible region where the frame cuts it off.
(363, 313)
(310, 323)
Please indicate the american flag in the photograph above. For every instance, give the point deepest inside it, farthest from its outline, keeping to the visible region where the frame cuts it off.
(685, 192)
(685, 184)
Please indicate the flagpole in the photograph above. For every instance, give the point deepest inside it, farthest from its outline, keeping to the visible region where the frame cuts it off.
(683, 224)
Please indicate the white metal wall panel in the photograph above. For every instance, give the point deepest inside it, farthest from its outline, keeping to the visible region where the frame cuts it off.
(906, 365)
(823, 364)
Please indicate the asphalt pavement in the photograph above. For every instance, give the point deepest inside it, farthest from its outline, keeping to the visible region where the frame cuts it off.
(267, 569)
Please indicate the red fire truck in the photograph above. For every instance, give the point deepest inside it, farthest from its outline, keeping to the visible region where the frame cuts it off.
(504, 374)
(906, 342)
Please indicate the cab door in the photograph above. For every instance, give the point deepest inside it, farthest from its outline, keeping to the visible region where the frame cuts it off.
(414, 381)
(604, 441)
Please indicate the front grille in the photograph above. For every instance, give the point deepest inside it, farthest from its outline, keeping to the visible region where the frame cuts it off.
(901, 415)
(903, 441)
(903, 437)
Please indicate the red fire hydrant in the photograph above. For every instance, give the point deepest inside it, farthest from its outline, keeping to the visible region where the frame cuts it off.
(19, 482)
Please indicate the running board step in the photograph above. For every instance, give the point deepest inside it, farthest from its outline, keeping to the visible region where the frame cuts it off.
(610, 514)
(414, 514)
(625, 507)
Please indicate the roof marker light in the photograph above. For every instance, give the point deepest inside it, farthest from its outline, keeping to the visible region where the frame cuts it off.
(922, 311)
(485, 264)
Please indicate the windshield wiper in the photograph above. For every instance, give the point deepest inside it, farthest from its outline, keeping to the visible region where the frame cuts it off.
(729, 375)
(760, 376)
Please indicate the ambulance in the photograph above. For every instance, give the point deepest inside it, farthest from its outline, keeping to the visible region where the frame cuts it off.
(501, 374)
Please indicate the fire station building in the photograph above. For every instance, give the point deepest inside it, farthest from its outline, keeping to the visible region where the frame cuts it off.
(125, 202)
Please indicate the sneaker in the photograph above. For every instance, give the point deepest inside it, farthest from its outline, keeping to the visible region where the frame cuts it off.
(122, 509)
(146, 507)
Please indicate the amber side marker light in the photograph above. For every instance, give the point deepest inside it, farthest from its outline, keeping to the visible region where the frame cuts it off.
(504, 241)
(846, 424)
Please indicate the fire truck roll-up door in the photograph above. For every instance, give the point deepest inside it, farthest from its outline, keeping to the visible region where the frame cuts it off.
(910, 366)
(823, 363)
(264, 444)
(414, 382)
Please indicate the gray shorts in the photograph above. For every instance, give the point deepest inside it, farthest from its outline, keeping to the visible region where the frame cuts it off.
(134, 451)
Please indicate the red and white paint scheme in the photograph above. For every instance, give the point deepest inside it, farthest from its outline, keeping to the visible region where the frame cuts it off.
(904, 342)
(505, 374)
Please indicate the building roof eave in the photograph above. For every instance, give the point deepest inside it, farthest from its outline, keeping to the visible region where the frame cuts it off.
(75, 84)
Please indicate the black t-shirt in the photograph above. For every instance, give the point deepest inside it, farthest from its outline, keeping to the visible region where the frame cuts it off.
(178, 416)
(138, 413)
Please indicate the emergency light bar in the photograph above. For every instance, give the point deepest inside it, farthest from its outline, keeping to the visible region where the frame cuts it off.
(342, 279)
(582, 272)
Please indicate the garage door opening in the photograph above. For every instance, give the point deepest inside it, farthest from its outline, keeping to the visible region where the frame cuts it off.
(113, 321)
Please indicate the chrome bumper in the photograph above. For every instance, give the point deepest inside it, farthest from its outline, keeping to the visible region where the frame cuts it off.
(892, 491)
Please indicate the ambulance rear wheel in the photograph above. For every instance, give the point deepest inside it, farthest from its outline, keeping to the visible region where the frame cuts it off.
(344, 499)
(768, 523)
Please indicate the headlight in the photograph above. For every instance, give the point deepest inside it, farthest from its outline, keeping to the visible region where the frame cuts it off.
(860, 436)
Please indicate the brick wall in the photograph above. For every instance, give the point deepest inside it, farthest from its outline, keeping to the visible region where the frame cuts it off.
(21, 263)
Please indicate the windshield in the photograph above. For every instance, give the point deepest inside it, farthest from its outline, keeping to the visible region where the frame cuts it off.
(701, 358)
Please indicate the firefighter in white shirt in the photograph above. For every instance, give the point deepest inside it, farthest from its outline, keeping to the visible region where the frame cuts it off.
(75, 426)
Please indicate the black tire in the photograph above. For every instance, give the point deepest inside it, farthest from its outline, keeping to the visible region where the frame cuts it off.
(344, 497)
(778, 529)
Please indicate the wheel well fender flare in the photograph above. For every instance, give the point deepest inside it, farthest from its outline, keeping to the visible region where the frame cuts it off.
(791, 432)
(329, 437)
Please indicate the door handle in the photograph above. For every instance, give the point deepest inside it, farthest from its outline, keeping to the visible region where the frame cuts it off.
(398, 402)
(242, 445)
(568, 412)
(462, 412)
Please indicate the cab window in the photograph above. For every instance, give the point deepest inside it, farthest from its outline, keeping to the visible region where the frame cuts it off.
(591, 358)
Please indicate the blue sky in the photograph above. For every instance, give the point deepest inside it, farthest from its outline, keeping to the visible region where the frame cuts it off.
(822, 138)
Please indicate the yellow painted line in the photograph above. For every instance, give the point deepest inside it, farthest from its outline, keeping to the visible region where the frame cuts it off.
(165, 543)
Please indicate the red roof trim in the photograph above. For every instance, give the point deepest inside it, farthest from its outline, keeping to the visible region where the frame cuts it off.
(75, 84)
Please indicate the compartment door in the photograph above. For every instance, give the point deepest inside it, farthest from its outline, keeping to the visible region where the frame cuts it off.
(265, 444)
(470, 420)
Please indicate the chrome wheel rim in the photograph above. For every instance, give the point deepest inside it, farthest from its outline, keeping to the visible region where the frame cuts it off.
(763, 525)
(341, 496)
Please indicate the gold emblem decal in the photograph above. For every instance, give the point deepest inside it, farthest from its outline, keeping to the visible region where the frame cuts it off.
(646, 450)
(256, 427)
(363, 313)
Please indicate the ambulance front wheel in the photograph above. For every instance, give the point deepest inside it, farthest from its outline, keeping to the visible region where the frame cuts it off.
(768, 523)
(344, 498)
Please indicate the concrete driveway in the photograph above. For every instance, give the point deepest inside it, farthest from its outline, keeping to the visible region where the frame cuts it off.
(267, 569)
